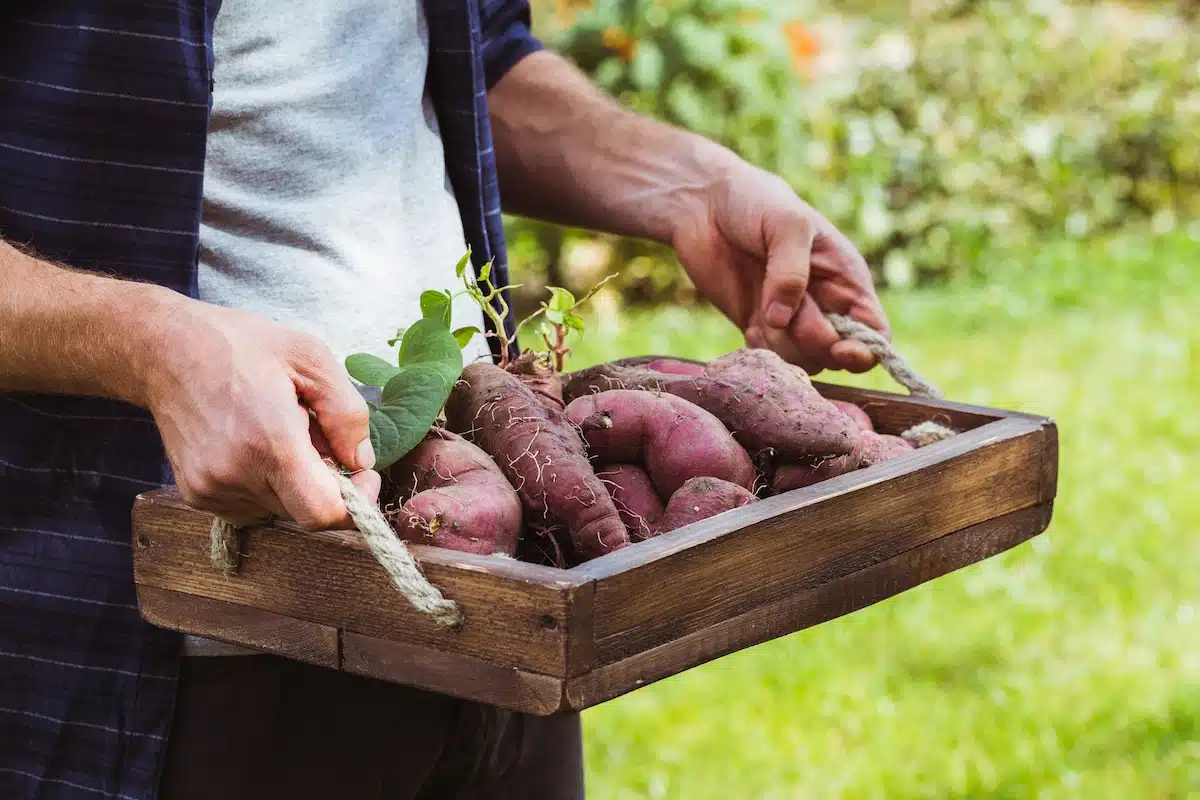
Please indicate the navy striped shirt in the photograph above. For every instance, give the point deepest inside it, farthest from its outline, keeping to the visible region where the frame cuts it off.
(103, 114)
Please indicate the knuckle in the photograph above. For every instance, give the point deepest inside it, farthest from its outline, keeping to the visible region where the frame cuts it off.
(201, 488)
(308, 352)
(192, 494)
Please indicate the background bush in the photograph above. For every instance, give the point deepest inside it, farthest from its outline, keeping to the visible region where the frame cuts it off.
(932, 132)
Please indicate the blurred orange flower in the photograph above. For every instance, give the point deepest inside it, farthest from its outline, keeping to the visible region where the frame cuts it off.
(803, 45)
(616, 39)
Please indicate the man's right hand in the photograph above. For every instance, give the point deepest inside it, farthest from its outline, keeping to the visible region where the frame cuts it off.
(232, 396)
(247, 409)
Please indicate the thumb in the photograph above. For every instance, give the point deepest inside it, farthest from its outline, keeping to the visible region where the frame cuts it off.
(789, 247)
(340, 412)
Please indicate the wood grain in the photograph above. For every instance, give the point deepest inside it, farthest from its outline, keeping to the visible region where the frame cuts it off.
(828, 601)
(249, 627)
(516, 613)
(894, 413)
(674, 585)
(441, 671)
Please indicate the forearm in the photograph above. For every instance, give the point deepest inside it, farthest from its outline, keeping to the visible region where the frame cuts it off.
(568, 153)
(73, 332)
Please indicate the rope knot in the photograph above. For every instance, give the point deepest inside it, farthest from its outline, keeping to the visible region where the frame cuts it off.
(389, 550)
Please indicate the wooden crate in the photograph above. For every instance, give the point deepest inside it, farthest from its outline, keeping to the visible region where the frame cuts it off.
(545, 640)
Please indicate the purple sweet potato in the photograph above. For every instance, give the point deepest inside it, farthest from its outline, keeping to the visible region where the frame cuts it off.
(763, 400)
(538, 376)
(670, 366)
(455, 496)
(540, 453)
(795, 476)
(855, 413)
(635, 497)
(869, 448)
(701, 498)
(673, 438)
(879, 447)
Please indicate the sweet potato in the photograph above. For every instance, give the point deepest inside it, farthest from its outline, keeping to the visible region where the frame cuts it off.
(454, 496)
(869, 448)
(758, 396)
(538, 376)
(701, 498)
(635, 497)
(856, 414)
(795, 476)
(674, 439)
(670, 366)
(540, 453)
(879, 447)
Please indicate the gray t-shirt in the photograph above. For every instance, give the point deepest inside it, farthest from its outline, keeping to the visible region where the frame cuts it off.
(327, 205)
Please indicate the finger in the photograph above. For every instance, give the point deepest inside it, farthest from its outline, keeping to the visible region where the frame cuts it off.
(243, 515)
(319, 440)
(368, 483)
(789, 248)
(853, 356)
(813, 335)
(781, 343)
(308, 489)
(341, 411)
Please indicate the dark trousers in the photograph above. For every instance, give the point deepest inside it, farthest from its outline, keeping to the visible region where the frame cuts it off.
(261, 727)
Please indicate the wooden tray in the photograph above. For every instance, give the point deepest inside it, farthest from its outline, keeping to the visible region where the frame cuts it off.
(544, 640)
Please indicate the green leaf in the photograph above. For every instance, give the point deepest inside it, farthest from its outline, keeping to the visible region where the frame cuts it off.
(461, 266)
(385, 439)
(369, 370)
(429, 343)
(485, 272)
(464, 335)
(396, 339)
(554, 316)
(435, 305)
(411, 402)
(416, 374)
(574, 321)
(560, 299)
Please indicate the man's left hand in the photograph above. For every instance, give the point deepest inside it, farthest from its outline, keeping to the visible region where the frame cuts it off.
(775, 267)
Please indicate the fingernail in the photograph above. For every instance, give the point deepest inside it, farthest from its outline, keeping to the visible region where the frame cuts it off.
(779, 315)
(365, 454)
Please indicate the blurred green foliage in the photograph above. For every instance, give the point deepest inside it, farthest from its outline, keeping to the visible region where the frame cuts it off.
(1065, 669)
(930, 132)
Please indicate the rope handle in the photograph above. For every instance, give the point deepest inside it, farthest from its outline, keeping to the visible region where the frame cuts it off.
(921, 434)
(389, 550)
(889, 357)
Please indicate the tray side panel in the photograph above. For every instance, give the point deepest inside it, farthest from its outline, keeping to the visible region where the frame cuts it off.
(840, 596)
(894, 413)
(249, 627)
(318, 578)
(730, 564)
(449, 673)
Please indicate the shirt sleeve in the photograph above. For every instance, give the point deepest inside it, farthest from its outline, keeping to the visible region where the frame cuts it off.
(507, 36)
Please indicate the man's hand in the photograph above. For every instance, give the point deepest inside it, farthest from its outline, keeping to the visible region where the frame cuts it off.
(775, 267)
(568, 153)
(248, 410)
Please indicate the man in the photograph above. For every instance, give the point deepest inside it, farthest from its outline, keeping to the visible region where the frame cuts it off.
(202, 211)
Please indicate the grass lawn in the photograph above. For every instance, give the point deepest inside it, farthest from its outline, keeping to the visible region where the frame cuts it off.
(1066, 668)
